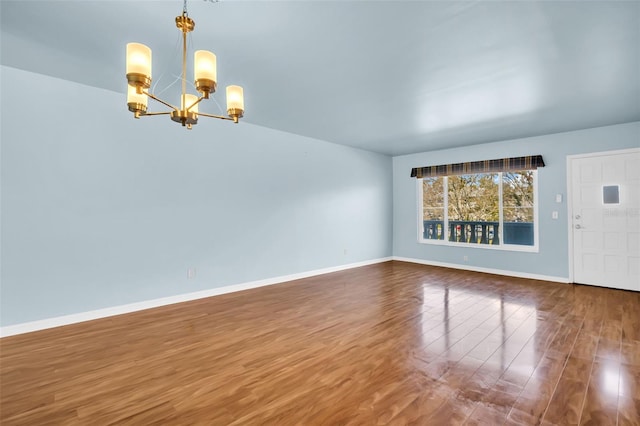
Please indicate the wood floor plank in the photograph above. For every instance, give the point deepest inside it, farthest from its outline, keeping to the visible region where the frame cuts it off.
(391, 343)
(601, 401)
(565, 407)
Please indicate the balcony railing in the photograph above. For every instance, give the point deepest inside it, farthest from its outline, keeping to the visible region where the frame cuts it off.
(477, 232)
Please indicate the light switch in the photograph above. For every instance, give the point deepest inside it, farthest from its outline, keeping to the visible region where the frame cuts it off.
(554, 215)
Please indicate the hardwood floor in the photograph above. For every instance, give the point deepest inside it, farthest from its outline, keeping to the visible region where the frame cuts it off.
(392, 343)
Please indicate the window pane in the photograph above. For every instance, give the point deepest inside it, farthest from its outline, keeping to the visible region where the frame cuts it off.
(517, 201)
(433, 208)
(473, 208)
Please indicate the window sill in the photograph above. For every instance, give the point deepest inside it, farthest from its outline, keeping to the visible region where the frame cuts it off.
(502, 247)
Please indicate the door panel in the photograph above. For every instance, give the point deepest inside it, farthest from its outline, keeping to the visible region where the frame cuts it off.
(606, 233)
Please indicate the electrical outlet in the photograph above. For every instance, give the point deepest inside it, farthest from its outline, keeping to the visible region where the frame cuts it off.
(191, 273)
(554, 215)
(346, 252)
(466, 258)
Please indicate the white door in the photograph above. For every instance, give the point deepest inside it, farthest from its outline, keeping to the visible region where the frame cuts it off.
(605, 197)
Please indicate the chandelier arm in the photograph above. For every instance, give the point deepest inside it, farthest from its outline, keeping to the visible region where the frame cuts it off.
(216, 116)
(160, 100)
(156, 113)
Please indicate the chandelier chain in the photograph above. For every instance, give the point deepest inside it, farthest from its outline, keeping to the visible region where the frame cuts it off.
(184, 8)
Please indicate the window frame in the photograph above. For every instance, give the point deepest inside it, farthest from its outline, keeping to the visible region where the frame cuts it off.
(504, 247)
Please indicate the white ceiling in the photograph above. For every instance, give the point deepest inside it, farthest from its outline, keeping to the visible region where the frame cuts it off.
(394, 77)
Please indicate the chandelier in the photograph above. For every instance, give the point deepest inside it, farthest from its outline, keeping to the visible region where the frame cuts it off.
(205, 76)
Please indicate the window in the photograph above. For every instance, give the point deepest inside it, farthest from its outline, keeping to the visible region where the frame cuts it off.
(495, 210)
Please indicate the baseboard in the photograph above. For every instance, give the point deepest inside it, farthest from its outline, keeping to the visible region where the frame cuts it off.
(485, 270)
(44, 324)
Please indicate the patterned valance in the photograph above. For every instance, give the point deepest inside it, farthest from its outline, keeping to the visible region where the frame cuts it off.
(530, 162)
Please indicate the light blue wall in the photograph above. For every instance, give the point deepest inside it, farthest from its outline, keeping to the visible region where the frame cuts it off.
(99, 209)
(552, 258)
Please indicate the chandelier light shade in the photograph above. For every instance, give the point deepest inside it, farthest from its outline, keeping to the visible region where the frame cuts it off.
(205, 77)
(191, 102)
(235, 102)
(205, 72)
(138, 65)
(136, 101)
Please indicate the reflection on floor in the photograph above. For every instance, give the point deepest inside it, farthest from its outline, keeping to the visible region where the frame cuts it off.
(393, 343)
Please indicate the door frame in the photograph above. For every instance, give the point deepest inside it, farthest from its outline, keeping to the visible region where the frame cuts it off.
(570, 159)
